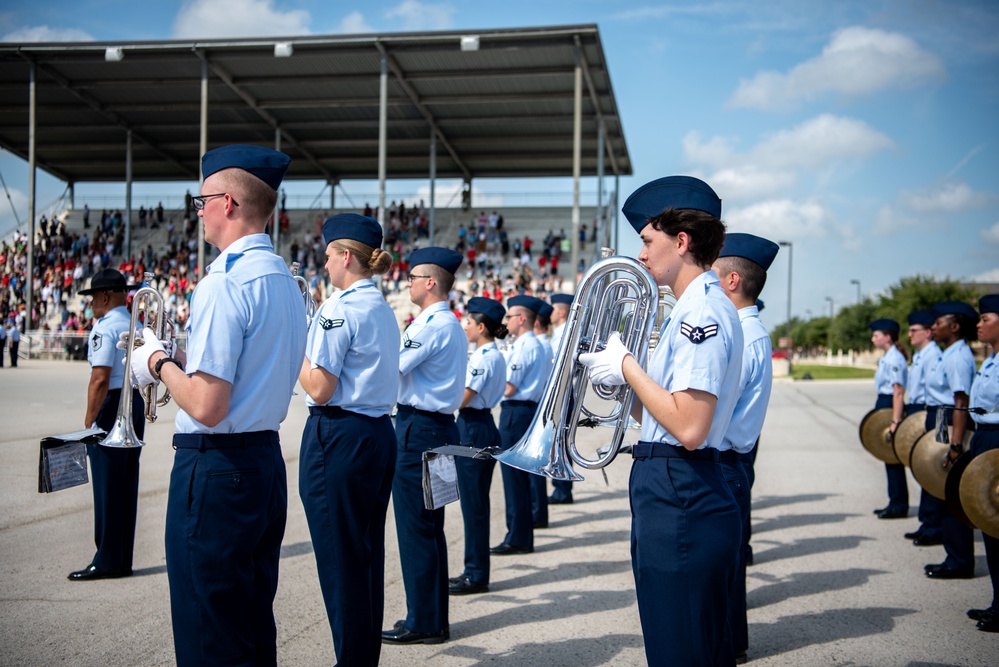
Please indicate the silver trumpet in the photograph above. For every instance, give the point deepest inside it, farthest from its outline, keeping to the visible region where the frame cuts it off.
(619, 295)
(149, 302)
(310, 304)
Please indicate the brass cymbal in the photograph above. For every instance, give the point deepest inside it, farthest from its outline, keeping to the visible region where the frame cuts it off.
(927, 462)
(875, 435)
(952, 489)
(906, 435)
(980, 492)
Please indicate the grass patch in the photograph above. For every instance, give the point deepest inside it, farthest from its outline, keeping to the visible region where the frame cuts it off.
(818, 372)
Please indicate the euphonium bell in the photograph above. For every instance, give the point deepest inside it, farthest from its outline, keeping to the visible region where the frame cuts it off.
(619, 295)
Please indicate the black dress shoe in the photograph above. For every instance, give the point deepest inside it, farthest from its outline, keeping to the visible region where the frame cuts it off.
(91, 573)
(916, 534)
(945, 571)
(455, 580)
(980, 614)
(402, 635)
(465, 586)
(552, 500)
(930, 567)
(505, 549)
(742, 658)
(880, 510)
(927, 541)
(990, 624)
(893, 513)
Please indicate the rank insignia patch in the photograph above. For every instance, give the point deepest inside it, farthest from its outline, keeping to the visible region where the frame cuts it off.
(477, 371)
(408, 342)
(96, 343)
(698, 335)
(328, 324)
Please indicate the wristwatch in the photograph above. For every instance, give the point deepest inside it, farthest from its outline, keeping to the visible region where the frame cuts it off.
(165, 360)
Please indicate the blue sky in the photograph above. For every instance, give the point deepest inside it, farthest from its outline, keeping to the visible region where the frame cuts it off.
(865, 133)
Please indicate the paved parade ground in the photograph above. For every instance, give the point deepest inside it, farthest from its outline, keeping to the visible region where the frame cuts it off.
(832, 585)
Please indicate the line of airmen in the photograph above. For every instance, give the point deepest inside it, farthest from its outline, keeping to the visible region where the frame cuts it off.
(944, 382)
(701, 404)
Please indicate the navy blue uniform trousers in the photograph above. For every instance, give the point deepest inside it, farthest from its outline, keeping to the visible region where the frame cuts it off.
(931, 508)
(685, 536)
(225, 520)
(958, 538)
(345, 478)
(898, 488)
(738, 483)
(476, 429)
(422, 546)
(114, 476)
(515, 418)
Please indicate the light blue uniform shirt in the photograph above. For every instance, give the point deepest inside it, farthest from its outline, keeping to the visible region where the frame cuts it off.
(355, 337)
(954, 373)
(486, 376)
(985, 391)
(892, 370)
(937, 392)
(432, 361)
(546, 345)
(921, 361)
(246, 327)
(527, 368)
(700, 348)
(103, 339)
(755, 384)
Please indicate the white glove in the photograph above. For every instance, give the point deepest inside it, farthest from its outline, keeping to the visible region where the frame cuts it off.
(169, 346)
(606, 366)
(140, 357)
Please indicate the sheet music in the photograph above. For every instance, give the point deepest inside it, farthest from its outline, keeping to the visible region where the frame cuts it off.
(67, 465)
(440, 480)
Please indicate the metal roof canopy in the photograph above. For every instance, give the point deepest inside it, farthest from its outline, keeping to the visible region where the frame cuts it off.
(503, 110)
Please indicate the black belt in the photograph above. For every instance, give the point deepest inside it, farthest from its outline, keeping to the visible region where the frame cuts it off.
(917, 406)
(327, 410)
(203, 441)
(409, 409)
(520, 404)
(478, 412)
(662, 450)
(986, 427)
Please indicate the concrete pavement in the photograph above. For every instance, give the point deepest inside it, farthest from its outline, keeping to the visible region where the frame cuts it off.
(832, 585)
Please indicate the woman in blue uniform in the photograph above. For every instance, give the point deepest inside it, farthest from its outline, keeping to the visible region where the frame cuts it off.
(889, 380)
(686, 527)
(485, 381)
(351, 376)
(985, 395)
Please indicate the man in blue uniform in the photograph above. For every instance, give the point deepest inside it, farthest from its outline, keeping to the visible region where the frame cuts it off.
(685, 522)
(115, 471)
(526, 372)
(228, 498)
(432, 363)
(742, 272)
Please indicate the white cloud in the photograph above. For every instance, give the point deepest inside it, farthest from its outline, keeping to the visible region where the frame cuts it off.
(421, 15)
(949, 197)
(991, 276)
(773, 165)
(890, 220)
(20, 203)
(991, 235)
(238, 18)
(43, 33)
(857, 61)
(354, 24)
(782, 219)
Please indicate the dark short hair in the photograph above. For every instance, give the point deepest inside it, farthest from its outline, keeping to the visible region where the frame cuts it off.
(706, 232)
(752, 275)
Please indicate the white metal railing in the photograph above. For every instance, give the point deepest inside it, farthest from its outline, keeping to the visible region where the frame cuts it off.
(72, 345)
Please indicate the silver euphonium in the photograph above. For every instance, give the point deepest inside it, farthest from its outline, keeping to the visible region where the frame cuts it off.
(310, 304)
(149, 302)
(619, 295)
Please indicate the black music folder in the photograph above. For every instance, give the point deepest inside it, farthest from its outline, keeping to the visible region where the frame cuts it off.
(62, 459)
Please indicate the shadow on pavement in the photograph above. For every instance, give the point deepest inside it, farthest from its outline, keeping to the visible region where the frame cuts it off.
(807, 583)
(766, 502)
(797, 520)
(296, 549)
(560, 518)
(568, 653)
(806, 547)
(533, 576)
(790, 633)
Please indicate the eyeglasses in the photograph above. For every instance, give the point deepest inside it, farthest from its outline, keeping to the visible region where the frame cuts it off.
(412, 276)
(199, 202)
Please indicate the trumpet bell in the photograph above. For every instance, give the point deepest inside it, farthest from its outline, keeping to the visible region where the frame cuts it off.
(122, 435)
(537, 454)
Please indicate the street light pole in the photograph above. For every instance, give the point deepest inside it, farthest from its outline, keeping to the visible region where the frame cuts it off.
(857, 283)
(790, 255)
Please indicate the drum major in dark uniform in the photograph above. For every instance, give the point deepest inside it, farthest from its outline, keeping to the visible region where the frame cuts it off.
(114, 471)
(228, 499)
(351, 379)
(484, 385)
(685, 522)
(432, 363)
(889, 382)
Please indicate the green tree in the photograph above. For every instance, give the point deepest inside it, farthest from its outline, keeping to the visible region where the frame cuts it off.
(851, 328)
(919, 292)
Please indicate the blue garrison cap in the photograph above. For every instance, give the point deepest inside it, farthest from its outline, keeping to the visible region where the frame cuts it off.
(921, 317)
(449, 260)
(355, 227)
(266, 164)
(760, 305)
(954, 308)
(885, 324)
(653, 198)
(989, 304)
(562, 298)
(491, 308)
(532, 303)
(754, 248)
(545, 310)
